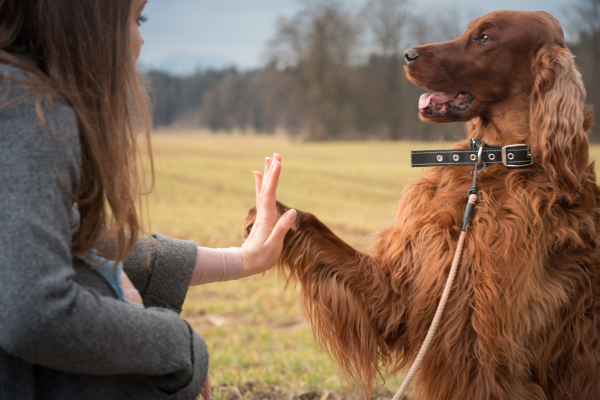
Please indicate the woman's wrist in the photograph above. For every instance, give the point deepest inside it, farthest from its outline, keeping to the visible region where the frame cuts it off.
(252, 266)
(248, 266)
(217, 265)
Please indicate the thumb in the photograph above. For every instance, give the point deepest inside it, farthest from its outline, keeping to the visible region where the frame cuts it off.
(283, 226)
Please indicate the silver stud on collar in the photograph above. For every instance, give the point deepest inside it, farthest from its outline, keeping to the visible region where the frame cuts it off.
(510, 156)
(440, 158)
(492, 157)
(455, 157)
(473, 157)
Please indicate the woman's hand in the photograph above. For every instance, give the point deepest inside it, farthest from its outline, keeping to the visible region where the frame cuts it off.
(263, 247)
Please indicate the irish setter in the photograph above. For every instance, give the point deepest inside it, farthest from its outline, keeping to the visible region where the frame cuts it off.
(523, 318)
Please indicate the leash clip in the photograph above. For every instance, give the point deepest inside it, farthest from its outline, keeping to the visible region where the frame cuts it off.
(478, 164)
(473, 190)
(479, 153)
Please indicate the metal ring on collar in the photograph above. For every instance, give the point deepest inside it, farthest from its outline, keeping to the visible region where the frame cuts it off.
(479, 153)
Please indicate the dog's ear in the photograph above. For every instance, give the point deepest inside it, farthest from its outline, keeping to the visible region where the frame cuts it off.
(558, 117)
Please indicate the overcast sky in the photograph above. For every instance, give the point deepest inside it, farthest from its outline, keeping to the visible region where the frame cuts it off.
(181, 35)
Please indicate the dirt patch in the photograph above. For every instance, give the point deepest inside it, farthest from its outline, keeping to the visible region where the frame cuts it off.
(251, 391)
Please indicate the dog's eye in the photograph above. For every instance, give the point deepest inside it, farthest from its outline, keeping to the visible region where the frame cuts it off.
(484, 38)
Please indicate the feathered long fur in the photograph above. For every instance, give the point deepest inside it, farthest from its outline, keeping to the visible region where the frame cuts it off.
(523, 317)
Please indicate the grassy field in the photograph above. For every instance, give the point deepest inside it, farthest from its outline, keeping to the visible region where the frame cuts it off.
(204, 188)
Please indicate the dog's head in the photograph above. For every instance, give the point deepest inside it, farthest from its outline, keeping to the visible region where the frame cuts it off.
(513, 71)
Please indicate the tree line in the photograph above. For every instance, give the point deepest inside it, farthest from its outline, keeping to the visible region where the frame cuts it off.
(335, 73)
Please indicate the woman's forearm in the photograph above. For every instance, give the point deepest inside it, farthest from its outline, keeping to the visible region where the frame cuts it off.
(216, 265)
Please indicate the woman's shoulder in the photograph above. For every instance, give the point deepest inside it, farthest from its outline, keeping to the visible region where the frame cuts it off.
(22, 92)
(36, 125)
(28, 107)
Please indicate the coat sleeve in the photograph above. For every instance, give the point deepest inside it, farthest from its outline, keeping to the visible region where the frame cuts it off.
(46, 318)
(161, 269)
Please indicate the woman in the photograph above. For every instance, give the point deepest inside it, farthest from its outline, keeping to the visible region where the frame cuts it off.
(71, 106)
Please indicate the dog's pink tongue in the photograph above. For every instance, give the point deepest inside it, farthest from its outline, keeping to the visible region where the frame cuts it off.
(438, 98)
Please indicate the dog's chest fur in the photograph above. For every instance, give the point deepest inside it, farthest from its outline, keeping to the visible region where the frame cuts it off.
(527, 278)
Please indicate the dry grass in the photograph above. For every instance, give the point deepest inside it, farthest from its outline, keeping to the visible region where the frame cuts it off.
(204, 187)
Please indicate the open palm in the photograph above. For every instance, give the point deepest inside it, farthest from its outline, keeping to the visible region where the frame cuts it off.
(263, 246)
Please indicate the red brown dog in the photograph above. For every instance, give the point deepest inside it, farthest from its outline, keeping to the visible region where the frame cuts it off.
(523, 318)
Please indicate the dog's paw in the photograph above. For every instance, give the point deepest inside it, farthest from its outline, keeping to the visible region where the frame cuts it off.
(251, 218)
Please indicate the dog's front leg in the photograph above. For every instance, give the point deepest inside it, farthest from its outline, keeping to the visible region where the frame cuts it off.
(347, 296)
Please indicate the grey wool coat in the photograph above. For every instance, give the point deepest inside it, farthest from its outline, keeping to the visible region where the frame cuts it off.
(63, 332)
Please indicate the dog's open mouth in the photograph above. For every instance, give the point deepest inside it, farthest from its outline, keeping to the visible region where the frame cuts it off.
(444, 102)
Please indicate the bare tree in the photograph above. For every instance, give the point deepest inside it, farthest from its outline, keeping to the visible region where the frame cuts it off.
(319, 43)
(315, 82)
(453, 20)
(446, 22)
(387, 21)
(587, 21)
(289, 46)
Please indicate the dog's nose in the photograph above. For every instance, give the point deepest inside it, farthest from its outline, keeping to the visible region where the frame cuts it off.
(411, 55)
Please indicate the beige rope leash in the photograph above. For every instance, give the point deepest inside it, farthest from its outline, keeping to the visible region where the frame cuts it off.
(439, 311)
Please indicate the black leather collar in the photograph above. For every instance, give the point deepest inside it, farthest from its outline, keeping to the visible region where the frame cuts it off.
(514, 155)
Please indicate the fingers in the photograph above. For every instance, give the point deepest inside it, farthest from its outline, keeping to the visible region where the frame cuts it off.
(266, 216)
(258, 180)
(263, 246)
(268, 161)
(283, 226)
(269, 190)
(270, 180)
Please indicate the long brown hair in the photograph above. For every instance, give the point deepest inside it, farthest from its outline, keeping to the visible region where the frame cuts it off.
(81, 49)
